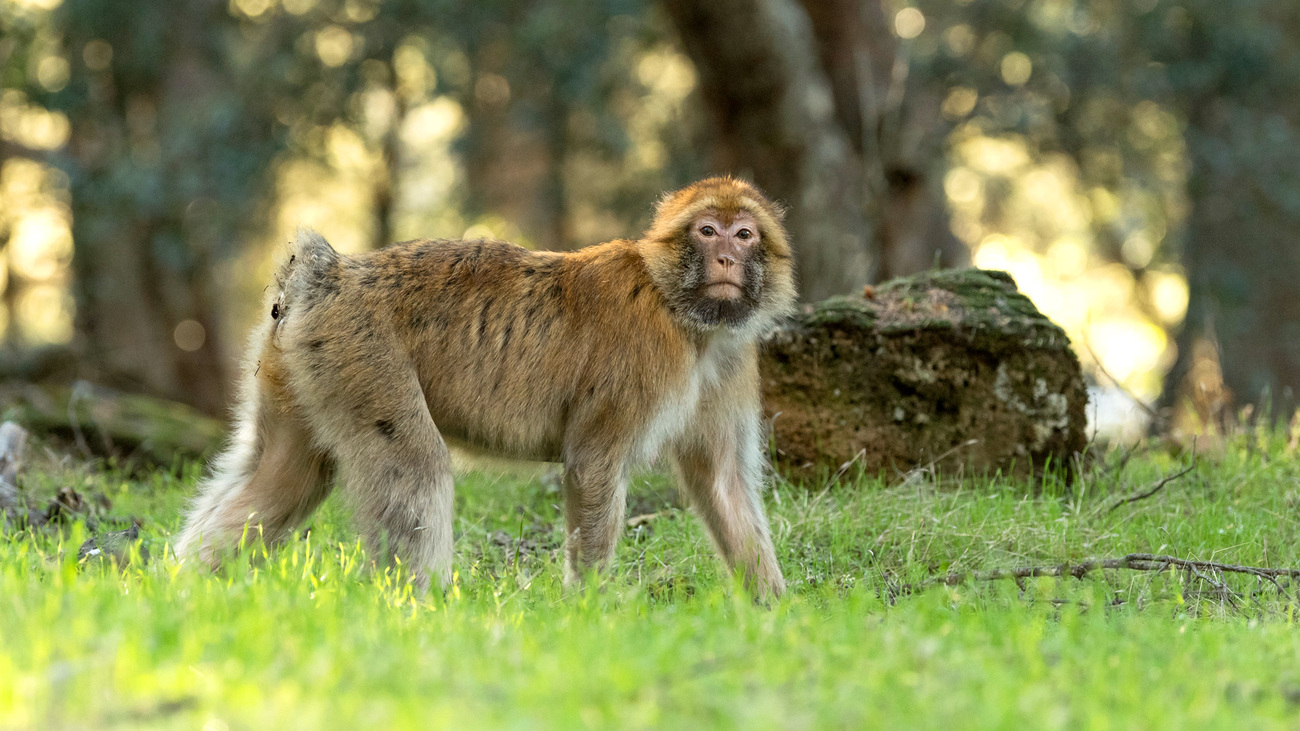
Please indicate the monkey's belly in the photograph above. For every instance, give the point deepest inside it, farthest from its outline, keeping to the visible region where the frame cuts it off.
(477, 454)
(519, 439)
(481, 404)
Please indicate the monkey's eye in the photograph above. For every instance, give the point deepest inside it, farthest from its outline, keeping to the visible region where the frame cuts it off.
(707, 230)
(744, 233)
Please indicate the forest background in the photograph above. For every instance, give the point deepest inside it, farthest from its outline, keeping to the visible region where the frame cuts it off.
(1134, 164)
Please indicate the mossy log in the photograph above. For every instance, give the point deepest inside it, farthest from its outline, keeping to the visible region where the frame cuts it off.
(952, 368)
(102, 422)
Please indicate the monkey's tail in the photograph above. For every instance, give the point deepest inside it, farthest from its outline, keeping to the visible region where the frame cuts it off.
(310, 270)
(310, 258)
(210, 525)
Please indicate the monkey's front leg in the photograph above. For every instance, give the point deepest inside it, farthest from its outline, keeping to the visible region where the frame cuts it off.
(595, 498)
(720, 469)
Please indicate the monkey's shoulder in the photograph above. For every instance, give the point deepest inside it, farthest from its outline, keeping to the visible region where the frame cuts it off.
(618, 261)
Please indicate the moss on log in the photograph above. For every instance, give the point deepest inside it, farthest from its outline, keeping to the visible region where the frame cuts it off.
(950, 367)
(106, 423)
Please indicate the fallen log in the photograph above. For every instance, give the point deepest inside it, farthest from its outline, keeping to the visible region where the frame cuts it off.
(101, 422)
(950, 368)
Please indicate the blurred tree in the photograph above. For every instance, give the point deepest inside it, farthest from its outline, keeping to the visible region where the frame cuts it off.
(19, 33)
(565, 122)
(569, 132)
(570, 116)
(180, 110)
(32, 194)
(170, 138)
(816, 101)
(1234, 71)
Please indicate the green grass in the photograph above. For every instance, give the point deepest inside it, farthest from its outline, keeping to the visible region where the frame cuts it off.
(308, 637)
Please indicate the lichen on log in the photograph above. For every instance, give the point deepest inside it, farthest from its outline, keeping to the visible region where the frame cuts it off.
(949, 368)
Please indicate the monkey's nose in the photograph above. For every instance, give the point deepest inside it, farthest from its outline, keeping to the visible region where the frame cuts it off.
(726, 260)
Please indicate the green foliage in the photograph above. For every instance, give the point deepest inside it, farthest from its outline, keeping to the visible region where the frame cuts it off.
(174, 132)
(198, 101)
(20, 29)
(307, 636)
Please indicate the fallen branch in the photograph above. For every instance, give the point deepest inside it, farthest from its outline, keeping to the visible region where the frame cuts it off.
(1132, 562)
(1155, 488)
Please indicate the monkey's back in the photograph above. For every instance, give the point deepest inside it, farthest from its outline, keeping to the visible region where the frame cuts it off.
(514, 351)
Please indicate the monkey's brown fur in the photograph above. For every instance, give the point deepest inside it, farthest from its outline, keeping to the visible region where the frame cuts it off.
(598, 358)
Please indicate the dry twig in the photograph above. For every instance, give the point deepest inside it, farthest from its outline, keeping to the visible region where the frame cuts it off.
(1132, 562)
(1160, 485)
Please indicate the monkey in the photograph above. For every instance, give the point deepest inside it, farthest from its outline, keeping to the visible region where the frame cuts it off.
(365, 368)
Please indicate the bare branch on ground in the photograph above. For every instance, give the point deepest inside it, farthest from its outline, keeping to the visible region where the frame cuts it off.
(1160, 485)
(1202, 570)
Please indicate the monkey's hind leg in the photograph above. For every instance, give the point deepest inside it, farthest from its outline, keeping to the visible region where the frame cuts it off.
(396, 472)
(269, 476)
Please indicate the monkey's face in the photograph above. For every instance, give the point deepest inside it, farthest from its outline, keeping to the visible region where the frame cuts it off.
(726, 243)
(719, 255)
(722, 267)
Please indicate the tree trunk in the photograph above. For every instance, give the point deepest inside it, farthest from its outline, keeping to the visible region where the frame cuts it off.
(773, 119)
(812, 101)
(945, 368)
(166, 158)
(386, 186)
(893, 121)
(1240, 342)
(517, 141)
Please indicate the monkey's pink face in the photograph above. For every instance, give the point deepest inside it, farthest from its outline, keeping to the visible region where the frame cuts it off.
(726, 241)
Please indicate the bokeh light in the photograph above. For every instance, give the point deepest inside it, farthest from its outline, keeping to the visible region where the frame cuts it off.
(909, 23)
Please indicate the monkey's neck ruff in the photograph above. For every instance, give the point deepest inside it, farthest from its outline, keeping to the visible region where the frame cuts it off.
(704, 313)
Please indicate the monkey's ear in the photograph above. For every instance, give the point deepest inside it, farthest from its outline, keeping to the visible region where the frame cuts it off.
(778, 210)
(665, 202)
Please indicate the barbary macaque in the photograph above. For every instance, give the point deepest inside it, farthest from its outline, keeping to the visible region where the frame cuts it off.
(367, 367)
